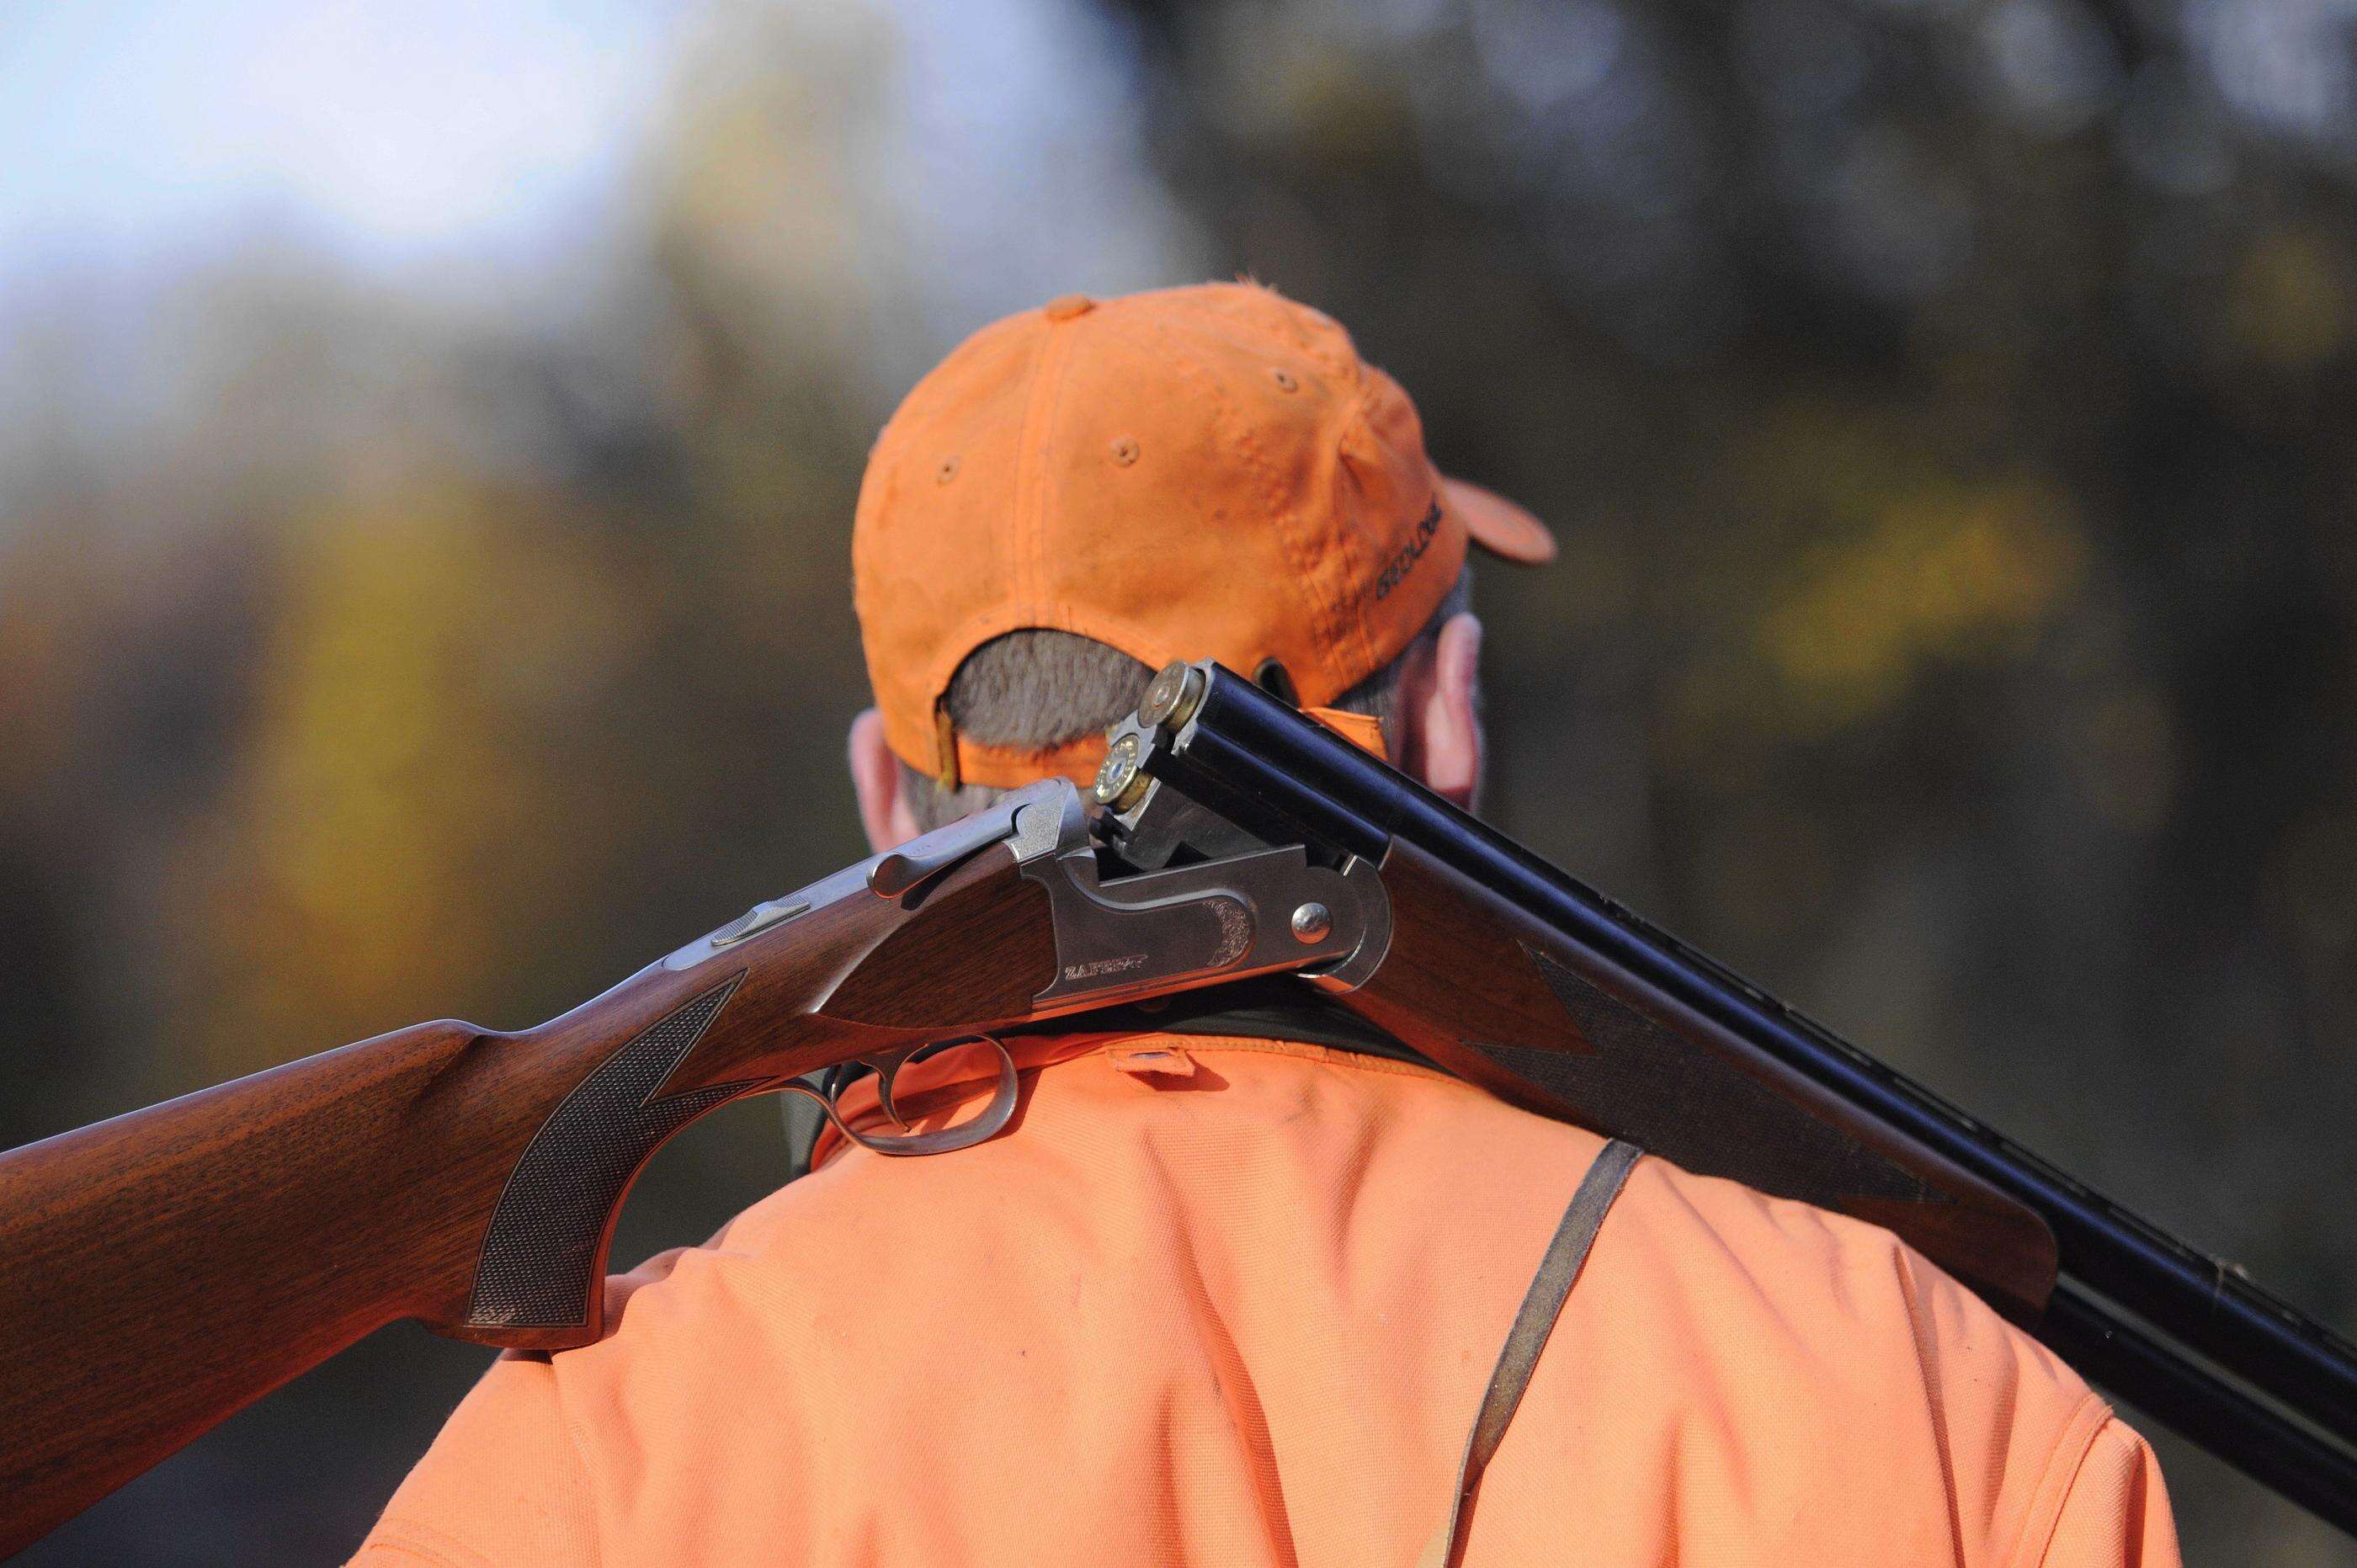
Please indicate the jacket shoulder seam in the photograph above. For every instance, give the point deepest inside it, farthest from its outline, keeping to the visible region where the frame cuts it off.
(2060, 1478)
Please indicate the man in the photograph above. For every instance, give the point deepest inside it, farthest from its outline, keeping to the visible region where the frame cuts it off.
(1235, 1284)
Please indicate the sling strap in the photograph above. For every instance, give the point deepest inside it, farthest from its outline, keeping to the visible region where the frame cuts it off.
(1558, 1271)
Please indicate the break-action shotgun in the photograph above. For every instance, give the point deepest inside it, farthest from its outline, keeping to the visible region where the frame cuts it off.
(160, 1271)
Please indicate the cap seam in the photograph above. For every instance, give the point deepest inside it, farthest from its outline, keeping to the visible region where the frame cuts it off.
(1323, 612)
(1336, 628)
(1369, 659)
(1296, 548)
(1281, 519)
(1036, 438)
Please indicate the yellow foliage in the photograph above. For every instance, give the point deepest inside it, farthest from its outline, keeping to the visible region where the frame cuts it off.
(404, 778)
(2289, 308)
(1945, 575)
(39, 628)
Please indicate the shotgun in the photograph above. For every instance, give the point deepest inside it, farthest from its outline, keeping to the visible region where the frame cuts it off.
(470, 1179)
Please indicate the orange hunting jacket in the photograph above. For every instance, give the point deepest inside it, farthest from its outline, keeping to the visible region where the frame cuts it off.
(1235, 1302)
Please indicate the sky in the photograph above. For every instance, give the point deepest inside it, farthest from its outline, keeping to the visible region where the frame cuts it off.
(394, 133)
(404, 137)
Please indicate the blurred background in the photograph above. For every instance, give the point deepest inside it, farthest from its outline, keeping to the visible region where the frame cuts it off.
(429, 437)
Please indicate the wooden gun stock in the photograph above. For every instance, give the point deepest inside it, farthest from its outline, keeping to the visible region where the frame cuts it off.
(1502, 999)
(161, 1270)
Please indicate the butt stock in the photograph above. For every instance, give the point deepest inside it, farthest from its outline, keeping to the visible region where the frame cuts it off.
(161, 1270)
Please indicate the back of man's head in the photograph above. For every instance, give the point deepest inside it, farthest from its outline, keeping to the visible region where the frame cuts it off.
(1080, 494)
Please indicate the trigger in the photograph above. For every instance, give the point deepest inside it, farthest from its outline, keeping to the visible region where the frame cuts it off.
(992, 1120)
(887, 1068)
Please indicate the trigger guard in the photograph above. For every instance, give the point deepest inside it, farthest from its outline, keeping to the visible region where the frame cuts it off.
(989, 1124)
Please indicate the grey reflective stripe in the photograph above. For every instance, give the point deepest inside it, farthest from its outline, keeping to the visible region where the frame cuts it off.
(1557, 1272)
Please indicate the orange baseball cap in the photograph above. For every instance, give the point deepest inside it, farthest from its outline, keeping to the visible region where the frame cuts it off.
(1195, 472)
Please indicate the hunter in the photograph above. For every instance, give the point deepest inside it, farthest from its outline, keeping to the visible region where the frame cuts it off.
(1237, 1282)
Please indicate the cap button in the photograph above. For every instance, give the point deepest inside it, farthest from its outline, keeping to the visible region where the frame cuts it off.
(1068, 307)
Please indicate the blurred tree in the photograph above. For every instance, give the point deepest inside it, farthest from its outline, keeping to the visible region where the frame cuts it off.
(418, 803)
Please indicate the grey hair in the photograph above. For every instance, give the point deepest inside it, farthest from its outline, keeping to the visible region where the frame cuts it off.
(1035, 688)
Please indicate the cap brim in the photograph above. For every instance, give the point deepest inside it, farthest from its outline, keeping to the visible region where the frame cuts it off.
(1497, 524)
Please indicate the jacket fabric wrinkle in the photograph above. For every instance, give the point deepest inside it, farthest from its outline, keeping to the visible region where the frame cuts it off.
(1246, 1314)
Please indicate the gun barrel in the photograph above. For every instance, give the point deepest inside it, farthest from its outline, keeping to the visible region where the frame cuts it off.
(1240, 742)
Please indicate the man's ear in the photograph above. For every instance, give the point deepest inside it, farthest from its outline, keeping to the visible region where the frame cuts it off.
(875, 778)
(1442, 746)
